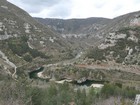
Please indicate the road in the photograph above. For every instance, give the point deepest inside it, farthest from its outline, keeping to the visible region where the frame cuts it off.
(126, 68)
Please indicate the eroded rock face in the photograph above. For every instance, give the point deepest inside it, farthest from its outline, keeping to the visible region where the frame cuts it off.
(135, 21)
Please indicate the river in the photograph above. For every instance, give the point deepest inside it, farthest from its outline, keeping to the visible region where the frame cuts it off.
(85, 84)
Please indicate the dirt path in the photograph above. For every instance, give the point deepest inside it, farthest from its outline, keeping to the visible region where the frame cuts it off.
(7, 61)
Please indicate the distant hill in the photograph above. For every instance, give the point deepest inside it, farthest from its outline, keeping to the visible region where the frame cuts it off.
(77, 31)
(74, 26)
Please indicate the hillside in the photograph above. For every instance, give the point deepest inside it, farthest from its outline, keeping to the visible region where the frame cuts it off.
(13, 19)
(122, 41)
(23, 39)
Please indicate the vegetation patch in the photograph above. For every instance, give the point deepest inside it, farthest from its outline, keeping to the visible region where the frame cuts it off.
(20, 47)
(23, 93)
(96, 54)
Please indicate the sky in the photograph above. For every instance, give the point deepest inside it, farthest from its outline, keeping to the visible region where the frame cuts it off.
(67, 9)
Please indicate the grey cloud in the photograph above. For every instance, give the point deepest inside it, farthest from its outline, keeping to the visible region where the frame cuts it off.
(63, 13)
(62, 10)
(40, 2)
(99, 4)
(34, 6)
(57, 8)
(137, 1)
(117, 8)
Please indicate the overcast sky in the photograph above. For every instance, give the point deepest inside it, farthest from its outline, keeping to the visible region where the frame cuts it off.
(77, 8)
